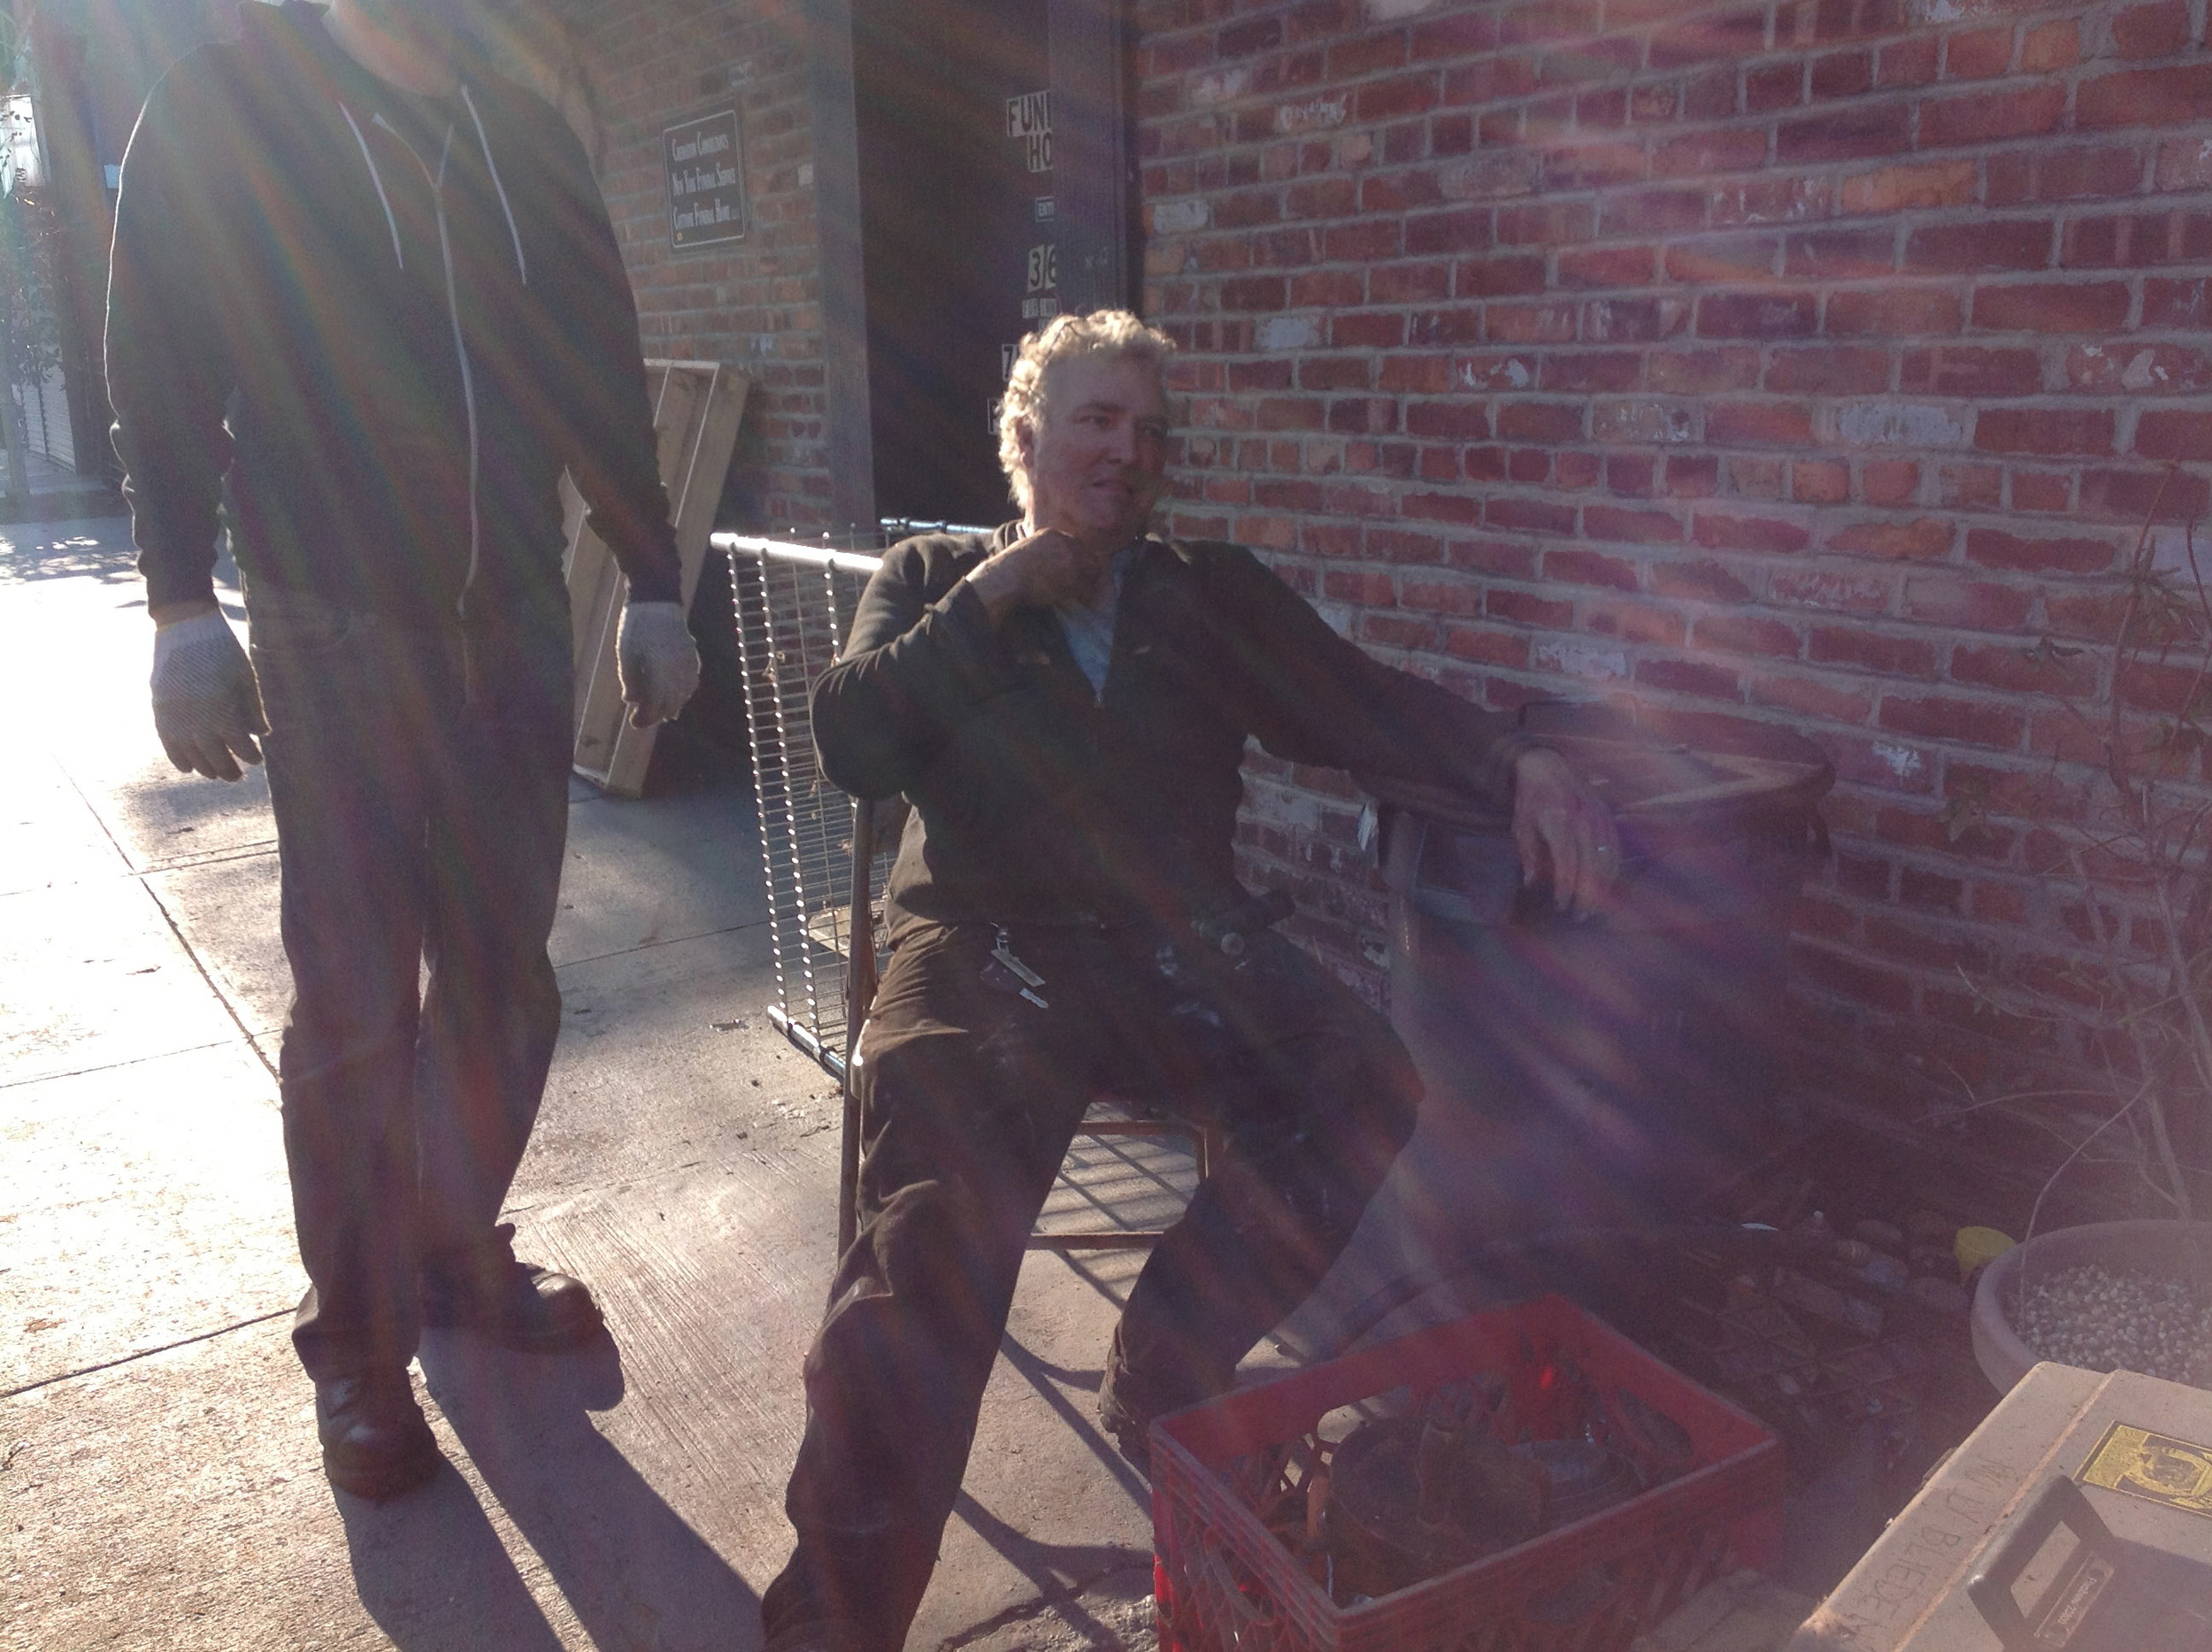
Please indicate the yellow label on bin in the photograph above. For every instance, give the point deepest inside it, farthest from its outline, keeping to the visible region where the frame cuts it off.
(2158, 1467)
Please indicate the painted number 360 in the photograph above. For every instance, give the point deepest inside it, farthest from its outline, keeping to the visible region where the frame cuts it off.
(1044, 268)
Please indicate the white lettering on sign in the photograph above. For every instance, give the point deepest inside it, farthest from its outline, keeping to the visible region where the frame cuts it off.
(1044, 268)
(1040, 309)
(1029, 114)
(706, 180)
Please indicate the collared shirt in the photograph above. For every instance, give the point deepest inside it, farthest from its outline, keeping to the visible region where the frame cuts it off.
(1090, 630)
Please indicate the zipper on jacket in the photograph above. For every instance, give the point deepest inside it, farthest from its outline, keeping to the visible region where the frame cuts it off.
(484, 142)
(436, 181)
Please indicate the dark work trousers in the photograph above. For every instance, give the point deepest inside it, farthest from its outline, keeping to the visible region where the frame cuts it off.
(421, 786)
(969, 1096)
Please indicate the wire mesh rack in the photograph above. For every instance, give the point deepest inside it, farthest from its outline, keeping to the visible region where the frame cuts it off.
(794, 604)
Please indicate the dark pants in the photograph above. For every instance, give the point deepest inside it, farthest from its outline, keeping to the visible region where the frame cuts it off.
(421, 786)
(969, 1096)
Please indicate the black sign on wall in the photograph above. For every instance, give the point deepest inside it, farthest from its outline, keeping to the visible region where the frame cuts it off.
(706, 181)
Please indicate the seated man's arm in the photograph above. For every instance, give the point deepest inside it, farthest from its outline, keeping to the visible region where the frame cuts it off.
(1317, 698)
(922, 656)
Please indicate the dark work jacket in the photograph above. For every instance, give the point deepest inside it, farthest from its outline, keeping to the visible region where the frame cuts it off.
(282, 338)
(1035, 805)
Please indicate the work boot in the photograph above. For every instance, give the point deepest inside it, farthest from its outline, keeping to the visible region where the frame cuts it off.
(515, 1304)
(1129, 1399)
(376, 1443)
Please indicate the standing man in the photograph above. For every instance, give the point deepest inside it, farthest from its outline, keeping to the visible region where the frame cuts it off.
(364, 307)
(1065, 703)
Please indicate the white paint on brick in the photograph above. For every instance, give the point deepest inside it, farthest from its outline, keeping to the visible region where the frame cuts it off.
(1222, 85)
(1902, 761)
(1322, 111)
(1338, 617)
(1642, 421)
(1278, 806)
(1171, 217)
(1513, 371)
(1289, 332)
(2143, 371)
(1390, 11)
(1508, 171)
(1575, 656)
(806, 174)
(1887, 424)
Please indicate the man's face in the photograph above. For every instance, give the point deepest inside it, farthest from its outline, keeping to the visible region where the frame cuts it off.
(1098, 463)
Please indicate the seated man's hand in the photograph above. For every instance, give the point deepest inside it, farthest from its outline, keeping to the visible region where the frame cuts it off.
(1564, 832)
(1042, 570)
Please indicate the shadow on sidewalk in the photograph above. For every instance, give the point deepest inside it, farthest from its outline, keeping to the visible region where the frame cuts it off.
(632, 1568)
(434, 1575)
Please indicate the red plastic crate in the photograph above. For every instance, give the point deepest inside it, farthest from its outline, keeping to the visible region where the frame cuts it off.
(1227, 1584)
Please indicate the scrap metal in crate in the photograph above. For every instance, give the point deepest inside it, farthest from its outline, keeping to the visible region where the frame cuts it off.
(1228, 1581)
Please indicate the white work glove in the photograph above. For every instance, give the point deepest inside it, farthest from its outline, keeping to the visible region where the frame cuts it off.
(207, 709)
(658, 661)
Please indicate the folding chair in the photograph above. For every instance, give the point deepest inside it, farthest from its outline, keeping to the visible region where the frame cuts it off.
(825, 854)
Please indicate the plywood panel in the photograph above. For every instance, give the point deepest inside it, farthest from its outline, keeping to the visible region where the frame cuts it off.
(697, 408)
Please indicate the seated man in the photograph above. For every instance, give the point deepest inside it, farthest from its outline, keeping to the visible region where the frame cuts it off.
(1065, 703)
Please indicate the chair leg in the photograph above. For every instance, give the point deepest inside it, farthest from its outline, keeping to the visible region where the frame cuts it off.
(848, 1173)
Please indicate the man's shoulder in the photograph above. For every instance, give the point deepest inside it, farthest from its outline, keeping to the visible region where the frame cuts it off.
(939, 557)
(1213, 559)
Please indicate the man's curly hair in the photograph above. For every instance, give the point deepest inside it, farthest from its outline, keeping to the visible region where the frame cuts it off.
(1114, 335)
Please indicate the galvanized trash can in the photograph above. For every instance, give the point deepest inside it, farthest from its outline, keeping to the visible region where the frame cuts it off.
(1604, 1073)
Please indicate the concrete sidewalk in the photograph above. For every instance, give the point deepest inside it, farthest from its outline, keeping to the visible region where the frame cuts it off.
(157, 1462)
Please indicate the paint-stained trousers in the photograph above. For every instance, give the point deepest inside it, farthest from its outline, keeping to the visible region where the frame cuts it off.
(419, 782)
(969, 1096)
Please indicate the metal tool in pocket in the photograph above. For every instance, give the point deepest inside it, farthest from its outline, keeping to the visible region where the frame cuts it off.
(1007, 974)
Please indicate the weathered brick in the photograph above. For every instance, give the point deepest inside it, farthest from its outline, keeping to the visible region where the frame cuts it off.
(2170, 434)
(2049, 47)
(1759, 424)
(1702, 581)
(2023, 668)
(2145, 97)
(1702, 678)
(1632, 528)
(1947, 718)
(1845, 132)
(1829, 371)
(1889, 481)
(1978, 54)
(1866, 650)
(1993, 547)
(1998, 244)
(1893, 311)
(1966, 370)
(1920, 541)
(1969, 605)
(1810, 696)
(1527, 608)
(1745, 633)
(2157, 30)
(2050, 430)
(2050, 306)
(1721, 531)
(1993, 117)
(1757, 315)
(1820, 481)
(1609, 266)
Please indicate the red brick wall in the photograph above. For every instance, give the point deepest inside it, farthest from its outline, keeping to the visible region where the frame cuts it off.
(755, 304)
(1803, 362)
